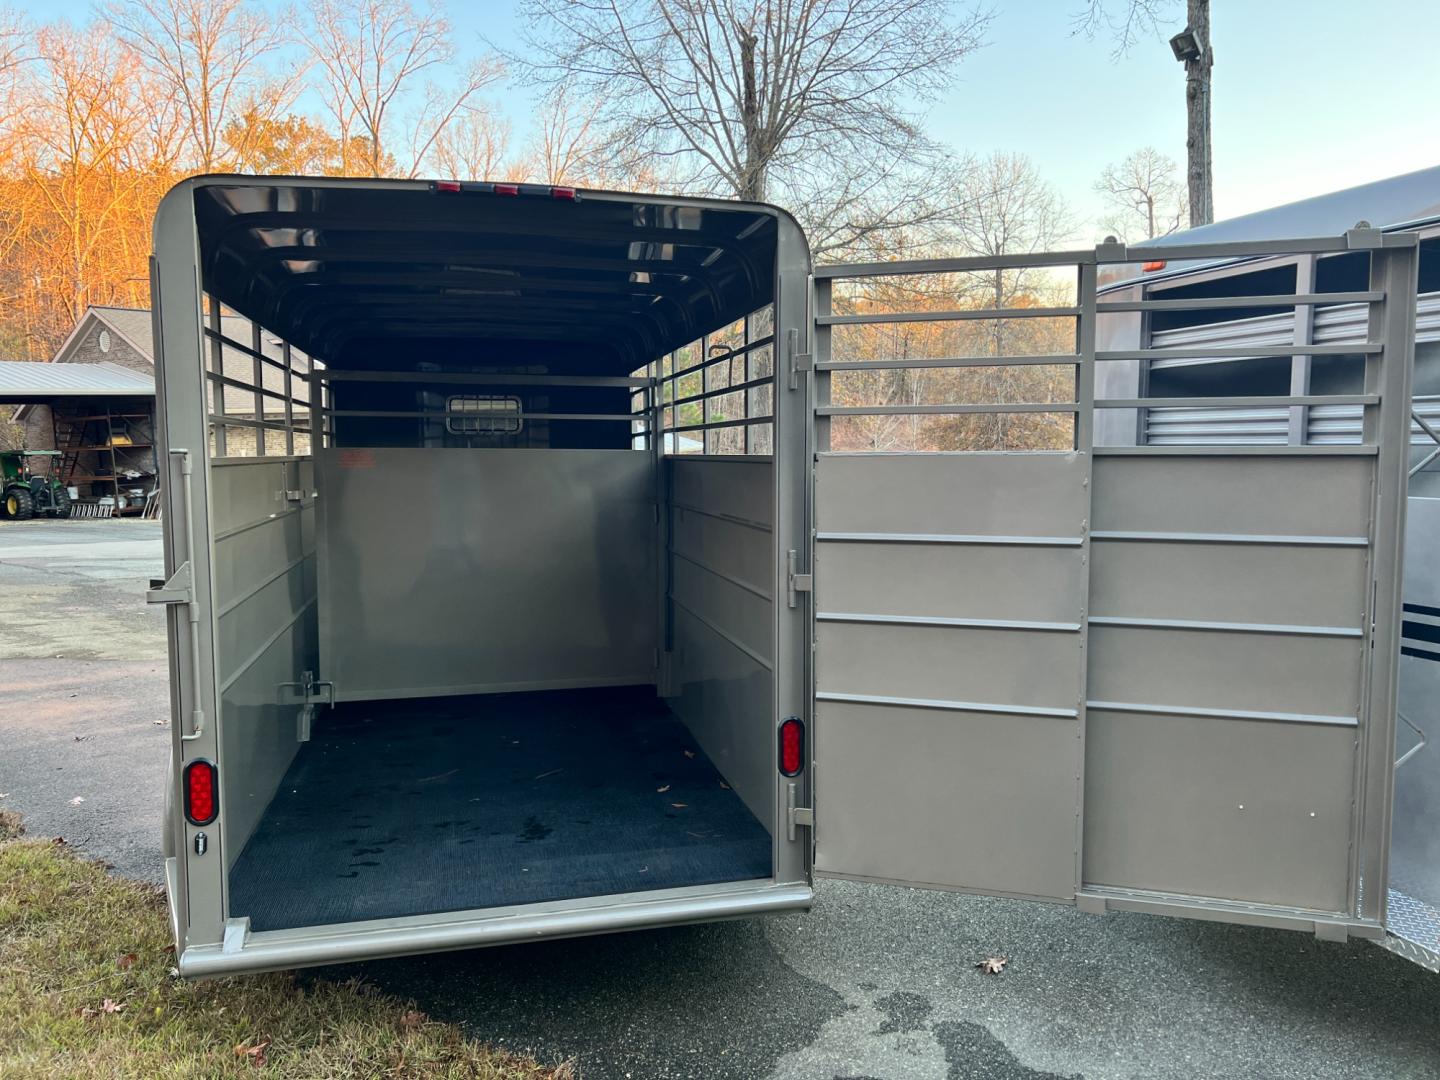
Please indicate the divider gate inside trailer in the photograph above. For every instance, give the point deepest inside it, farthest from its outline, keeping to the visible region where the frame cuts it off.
(1158, 678)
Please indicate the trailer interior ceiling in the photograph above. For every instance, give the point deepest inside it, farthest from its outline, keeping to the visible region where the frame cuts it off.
(485, 635)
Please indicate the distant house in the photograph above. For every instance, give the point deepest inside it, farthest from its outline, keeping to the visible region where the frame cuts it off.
(104, 422)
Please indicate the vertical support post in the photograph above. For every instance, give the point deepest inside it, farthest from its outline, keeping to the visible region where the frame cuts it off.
(1299, 424)
(216, 387)
(1086, 287)
(1394, 273)
(257, 374)
(289, 399)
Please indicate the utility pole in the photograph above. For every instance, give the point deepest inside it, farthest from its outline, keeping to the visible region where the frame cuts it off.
(1192, 47)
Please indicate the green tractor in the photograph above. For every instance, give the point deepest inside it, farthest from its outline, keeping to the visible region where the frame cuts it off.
(24, 492)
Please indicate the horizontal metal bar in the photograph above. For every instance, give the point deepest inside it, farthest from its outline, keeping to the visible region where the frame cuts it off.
(733, 519)
(723, 634)
(935, 620)
(336, 943)
(955, 315)
(946, 362)
(720, 358)
(951, 706)
(1233, 538)
(278, 365)
(949, 538)
(731, 578)
(724, 424)
(768, 380)
(278, 515)
(251, 388)
(1241, 352)
(269, 580)
(944, 410)
(445, 414)
(1217, 302)
(1229, 911)
(268, 425)
(1235, 627)
(1223, 714)
(254, 658)
(954, 266)
(1236, 402)
(1308, 450)
(482, 378)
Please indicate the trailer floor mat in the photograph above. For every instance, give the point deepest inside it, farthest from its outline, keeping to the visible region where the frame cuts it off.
(446, 804)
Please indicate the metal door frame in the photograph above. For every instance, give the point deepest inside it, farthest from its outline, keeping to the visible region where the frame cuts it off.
(1386, 409)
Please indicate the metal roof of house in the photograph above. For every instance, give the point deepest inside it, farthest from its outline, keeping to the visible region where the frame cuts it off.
(1411, 200)
(28, 382)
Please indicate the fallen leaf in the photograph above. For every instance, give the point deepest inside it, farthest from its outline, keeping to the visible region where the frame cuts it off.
(110, 1005)
(77, 800)
(81, 738)
(690, 753)
(411, 1019)
(58, 841)
(255, 1052)
(992, 965)
(663, 789)
(679, 805)
(126, 962)
(158, 723)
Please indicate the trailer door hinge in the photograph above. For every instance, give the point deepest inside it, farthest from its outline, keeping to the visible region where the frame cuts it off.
(796, 582)
(799, 361)
(179, 588)
(310, 696)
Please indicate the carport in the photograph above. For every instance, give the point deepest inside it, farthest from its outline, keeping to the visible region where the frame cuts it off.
(101, 419)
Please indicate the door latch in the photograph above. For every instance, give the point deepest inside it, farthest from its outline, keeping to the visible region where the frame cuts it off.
(178, 588)
(310, 694)
(796, 582)
(796, 816)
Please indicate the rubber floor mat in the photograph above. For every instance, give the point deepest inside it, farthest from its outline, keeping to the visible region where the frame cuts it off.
(446, 804)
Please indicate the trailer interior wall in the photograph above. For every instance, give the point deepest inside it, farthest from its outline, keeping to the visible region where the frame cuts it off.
(487, 545)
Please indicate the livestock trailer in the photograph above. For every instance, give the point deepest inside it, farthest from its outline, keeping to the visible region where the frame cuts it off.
(559, 595)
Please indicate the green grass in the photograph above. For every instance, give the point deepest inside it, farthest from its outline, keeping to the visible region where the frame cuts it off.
(88, 989)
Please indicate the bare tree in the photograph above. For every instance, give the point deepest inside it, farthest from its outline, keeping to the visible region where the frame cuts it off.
(790, 100)
(474, 147)
(565, 138)
(1145, 194)
(375, 57)
(211, 56)
(1127, 21)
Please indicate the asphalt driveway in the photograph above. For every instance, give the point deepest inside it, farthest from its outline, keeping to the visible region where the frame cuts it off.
(876, 982)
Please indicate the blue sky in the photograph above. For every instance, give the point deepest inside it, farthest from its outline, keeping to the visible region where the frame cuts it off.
(1310, 95)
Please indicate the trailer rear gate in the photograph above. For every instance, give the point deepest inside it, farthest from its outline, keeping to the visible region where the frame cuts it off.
(507, 651)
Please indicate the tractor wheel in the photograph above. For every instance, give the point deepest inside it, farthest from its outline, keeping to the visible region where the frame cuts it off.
(19, 504)
(60, 502)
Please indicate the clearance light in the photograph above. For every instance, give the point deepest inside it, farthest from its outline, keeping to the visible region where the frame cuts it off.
(792, 746)
(484, 187)
(202, 804)
(1151, 267)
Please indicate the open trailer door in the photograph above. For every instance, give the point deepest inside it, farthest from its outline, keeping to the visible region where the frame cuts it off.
(1160, 678)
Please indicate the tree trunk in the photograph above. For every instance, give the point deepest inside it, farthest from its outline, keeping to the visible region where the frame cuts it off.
(752, 183)
(1197, 117)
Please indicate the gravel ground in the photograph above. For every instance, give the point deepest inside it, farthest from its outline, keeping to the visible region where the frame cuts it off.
(877, 982)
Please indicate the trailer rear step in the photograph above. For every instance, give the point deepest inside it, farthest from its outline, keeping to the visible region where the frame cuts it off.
(447, 804)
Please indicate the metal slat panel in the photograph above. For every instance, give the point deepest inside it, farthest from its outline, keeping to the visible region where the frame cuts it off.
(1226, 670)
(1320, 496)
(1232, 809)
(1236, 582)
(1008, 787)
(735, 489)
(1025, 494)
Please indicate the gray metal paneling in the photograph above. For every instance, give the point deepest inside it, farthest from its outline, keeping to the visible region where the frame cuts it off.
(722, 566)
(982, 581)
(1222, 669)
(1278, 496)
(944, 798)
(1229, 582)
(266, 629)
(1023, 668)
(1232, 809)
(949, 668)
(465, 571)
(1029, 494)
